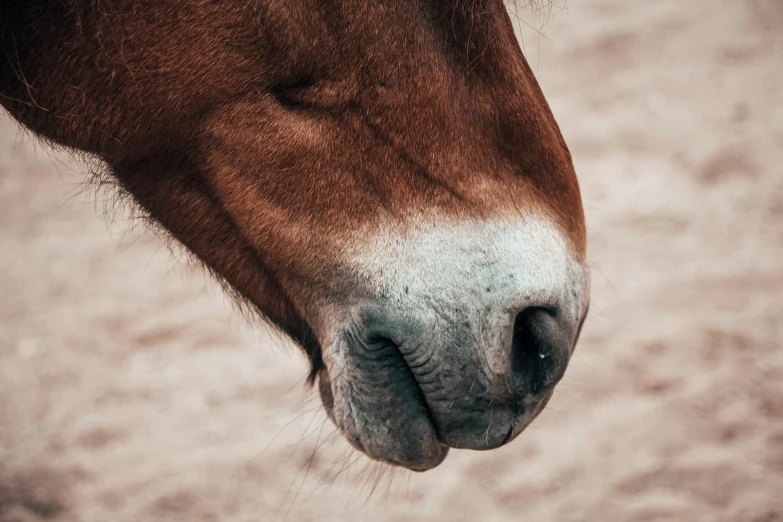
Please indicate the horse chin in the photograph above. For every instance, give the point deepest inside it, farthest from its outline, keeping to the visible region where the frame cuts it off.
(393, 427)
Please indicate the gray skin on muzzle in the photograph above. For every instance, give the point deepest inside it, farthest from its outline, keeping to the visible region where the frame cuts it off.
(462, 354)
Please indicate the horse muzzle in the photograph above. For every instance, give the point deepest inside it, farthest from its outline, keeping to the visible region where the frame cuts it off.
(458, 343)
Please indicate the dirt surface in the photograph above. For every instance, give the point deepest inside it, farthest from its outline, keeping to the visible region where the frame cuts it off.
(130, 390)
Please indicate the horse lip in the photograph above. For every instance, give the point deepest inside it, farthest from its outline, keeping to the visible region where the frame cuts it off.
(422, 467)
(381, 390)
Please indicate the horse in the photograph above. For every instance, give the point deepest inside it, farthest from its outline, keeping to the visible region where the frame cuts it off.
(382, 180)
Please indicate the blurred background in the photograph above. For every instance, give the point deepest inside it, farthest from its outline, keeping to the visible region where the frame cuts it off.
(131, 391)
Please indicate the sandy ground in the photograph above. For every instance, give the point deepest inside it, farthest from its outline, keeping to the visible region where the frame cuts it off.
(130, 391)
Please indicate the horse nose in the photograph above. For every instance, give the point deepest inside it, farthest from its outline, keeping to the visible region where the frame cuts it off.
(456, 341)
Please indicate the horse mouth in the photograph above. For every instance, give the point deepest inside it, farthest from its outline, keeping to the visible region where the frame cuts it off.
(395, 408)
(377, 403)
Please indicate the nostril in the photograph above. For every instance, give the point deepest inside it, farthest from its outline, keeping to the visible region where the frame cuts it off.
(536, 349)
